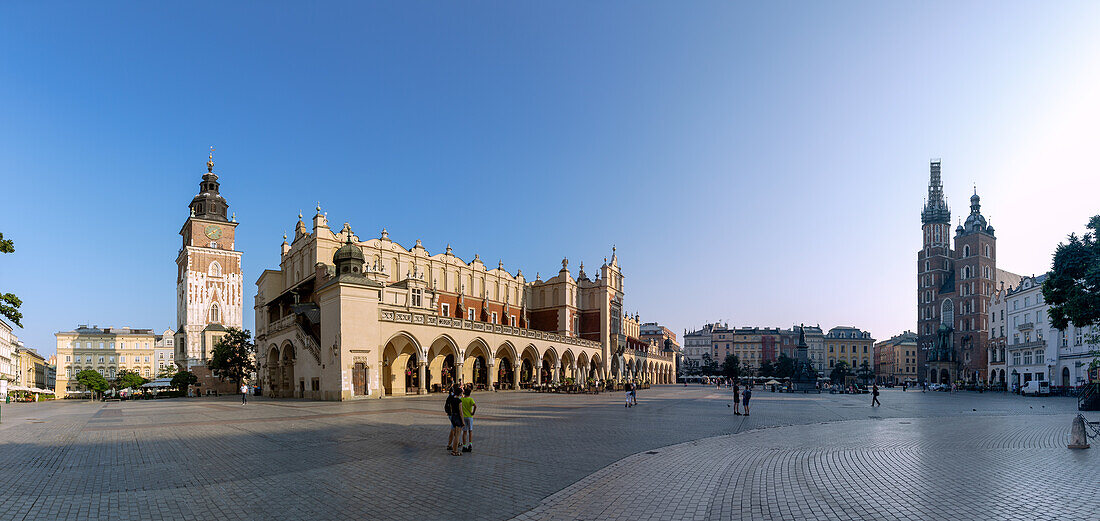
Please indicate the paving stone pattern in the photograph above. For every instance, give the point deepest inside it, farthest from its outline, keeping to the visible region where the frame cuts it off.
(681, 454)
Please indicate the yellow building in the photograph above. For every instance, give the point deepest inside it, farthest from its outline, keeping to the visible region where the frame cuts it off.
(31, 371)
(107, 350)
(850, 345)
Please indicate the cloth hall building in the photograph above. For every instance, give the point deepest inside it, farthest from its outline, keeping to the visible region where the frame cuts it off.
(345, 318)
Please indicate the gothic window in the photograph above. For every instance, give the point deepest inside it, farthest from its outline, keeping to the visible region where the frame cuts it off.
(215, 269)
(215, 314)
(987, 250)
(966, 272)
(947, 313)
(966, 250)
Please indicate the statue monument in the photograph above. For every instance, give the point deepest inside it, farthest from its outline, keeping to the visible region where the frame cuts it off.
(804, 377)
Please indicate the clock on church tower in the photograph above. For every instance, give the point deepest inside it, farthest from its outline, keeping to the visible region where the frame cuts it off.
(209, 283)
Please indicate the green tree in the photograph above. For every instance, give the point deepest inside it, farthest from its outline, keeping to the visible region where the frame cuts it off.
(709, 366)
(840, 371)
(767, 368)
(784, 366)
(92, 381)
(865, 373)
(731, 367)
(184, 379)
(232, 356)
(129, 380)
(9, 303)
(1072, 288)
(167, 371)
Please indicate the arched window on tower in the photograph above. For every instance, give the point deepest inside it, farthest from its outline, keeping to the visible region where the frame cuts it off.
(987, 250)
(215, 269)
(947, 313)
(966, 250)
(215, 314)
(966, 272)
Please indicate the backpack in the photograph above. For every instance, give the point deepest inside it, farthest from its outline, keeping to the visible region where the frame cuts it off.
(447, 405)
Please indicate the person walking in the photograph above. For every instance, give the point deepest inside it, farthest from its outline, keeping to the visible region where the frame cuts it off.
(633, 394)
(453, 408)
(244, 394)
(468, 409)
(626, 387)
(874, 395)
(745, 395)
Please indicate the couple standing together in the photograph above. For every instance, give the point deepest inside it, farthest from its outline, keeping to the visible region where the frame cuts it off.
(744, 396)
(460, 409)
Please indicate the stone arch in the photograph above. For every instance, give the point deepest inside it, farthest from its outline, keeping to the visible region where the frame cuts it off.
(945, 377)
(288, 356)
(567, 365)
(583, 373)
(401, 348)
(547, 363)
(595, 366)
(529, 365)
(505, 370)
(440, 370)
(475, 363)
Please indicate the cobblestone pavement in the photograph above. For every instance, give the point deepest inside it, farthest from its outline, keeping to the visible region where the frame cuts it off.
(680, 454)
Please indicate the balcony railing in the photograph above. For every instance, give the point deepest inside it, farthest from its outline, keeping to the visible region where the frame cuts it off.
(413, 317)
(1026, 326)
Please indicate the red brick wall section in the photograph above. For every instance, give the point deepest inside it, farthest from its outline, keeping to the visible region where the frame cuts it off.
(545, 320)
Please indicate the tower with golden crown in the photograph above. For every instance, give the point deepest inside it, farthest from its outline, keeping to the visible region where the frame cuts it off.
(209, 283)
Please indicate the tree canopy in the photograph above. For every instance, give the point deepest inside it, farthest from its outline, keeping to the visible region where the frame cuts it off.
(184, 379)
(232, 357)
(840, 371)
(9, 303)
(167, 371)
(92, 380)
(1072, 288)
(865, 373)
(129, 380)
(731, 367)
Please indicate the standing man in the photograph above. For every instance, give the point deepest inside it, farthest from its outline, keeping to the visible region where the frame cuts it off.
(874, 395)
(244, 394)
(736, 398)
(453, 408)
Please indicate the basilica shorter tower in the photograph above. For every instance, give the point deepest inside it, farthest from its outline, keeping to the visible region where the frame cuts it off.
(209, 282)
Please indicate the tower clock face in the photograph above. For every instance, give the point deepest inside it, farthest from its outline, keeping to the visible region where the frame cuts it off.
(213, 232)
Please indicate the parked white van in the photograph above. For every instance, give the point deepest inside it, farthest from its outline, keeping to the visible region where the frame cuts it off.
(1036, 388)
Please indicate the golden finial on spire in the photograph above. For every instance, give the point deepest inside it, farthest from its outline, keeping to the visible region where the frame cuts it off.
(210, 161)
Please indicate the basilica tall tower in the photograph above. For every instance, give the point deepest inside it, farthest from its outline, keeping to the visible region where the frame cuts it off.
(209, 284)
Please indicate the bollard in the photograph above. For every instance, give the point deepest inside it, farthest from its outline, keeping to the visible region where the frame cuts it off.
(1079, 439)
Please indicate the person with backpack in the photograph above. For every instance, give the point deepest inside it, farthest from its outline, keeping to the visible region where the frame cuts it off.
(745, 395)
(874, 395)
(453, 408)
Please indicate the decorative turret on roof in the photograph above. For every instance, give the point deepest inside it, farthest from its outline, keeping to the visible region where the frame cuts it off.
(209, 204)
(975, 222)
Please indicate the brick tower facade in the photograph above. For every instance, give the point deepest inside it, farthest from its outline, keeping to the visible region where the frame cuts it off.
(953, 289)
(209, 282)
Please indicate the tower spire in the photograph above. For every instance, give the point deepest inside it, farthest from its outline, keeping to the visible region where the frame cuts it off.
(210, 161)
(935, 207)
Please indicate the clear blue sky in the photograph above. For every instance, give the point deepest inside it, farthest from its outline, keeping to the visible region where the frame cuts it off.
(763, 165)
